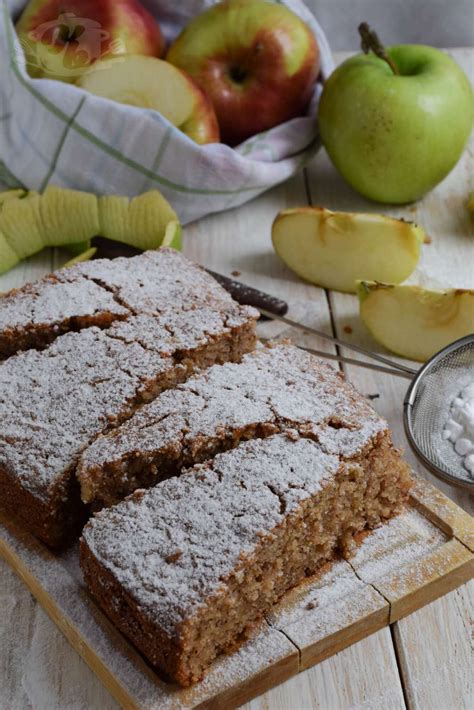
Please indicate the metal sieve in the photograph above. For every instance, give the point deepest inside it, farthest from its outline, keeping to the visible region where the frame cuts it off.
(426, 409)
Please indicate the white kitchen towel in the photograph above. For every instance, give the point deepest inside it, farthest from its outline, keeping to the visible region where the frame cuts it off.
(55, 133)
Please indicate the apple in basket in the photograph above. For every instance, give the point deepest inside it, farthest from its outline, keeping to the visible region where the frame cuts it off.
(256, 60)
(62, 38)
(152, 83)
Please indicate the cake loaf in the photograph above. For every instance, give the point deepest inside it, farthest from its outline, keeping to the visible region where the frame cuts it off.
(100, 292)
(184, 569)
(271, 390)
(54, 402)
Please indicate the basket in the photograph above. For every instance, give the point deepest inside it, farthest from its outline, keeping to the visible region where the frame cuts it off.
(55, 133)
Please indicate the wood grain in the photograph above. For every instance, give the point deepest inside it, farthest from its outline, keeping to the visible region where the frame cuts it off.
(396, 570)
(40, 669)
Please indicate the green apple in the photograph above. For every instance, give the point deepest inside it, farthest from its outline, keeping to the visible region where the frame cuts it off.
(256, 60)
(415, 322)
(394, 125)
(153, 83)
(62, 38)
(334, 249)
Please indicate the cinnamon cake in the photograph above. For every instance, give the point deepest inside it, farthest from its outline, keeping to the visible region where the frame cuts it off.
(100, 292)
(54, 402)
(271, 390)
(186, 568)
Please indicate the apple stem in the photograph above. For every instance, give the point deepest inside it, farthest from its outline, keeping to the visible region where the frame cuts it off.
(370, 41)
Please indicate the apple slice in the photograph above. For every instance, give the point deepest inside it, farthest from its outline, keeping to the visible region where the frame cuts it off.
(141, 221)
(415, 322)
(173, 236)
(83, 256)
(153, 83)
(334, 249)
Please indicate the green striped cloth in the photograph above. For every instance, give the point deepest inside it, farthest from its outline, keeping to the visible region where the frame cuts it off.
(53, 132)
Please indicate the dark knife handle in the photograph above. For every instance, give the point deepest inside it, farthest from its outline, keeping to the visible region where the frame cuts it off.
(248, 296)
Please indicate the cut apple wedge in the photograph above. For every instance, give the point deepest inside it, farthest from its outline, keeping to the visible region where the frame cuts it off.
(334, 249)
(412, 321)
(152, 83)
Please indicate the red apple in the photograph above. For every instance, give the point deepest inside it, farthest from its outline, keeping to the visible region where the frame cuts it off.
(62, 38)
(256, 60)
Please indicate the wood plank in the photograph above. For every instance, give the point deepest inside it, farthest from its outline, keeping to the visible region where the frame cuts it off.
(411, 562)
(335, 674)
(447, 261)
(398, 568)
(346, 681)
(325, 615)
(267, 659)
(443, 512)
(441, 676)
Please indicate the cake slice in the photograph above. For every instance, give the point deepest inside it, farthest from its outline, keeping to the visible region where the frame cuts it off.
(100, 292)
(271, 390)
(186, 568)
(54, 402)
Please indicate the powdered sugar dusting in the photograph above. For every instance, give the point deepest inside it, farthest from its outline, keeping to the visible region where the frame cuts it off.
(329, 603)
(51, 301)
(54, 402)
(273, 389)
(155, 282)
(395, 546)
(169, 555)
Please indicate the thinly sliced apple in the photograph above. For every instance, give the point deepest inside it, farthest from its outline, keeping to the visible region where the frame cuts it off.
(415, 322)
(152, 83)
(69, 216)
(141, 221)
(173, 236)
(334, 249)
(84, 256)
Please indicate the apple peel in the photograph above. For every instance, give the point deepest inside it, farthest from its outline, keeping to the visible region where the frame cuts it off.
(335, 249)
(59, 217)
(412, 321)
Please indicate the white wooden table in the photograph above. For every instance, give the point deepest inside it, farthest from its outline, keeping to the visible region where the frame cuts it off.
(423, 661)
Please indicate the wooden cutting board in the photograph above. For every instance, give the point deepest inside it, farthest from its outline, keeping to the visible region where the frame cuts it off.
(418, 556)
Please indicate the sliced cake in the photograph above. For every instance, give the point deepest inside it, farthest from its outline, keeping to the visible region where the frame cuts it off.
(186, 568)
(54, 402)
(100, 292)
(271, 390)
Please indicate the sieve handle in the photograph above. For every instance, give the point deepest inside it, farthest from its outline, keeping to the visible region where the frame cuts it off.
(402, 370)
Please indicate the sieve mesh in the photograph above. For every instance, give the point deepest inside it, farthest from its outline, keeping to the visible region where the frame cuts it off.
(427, 407)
